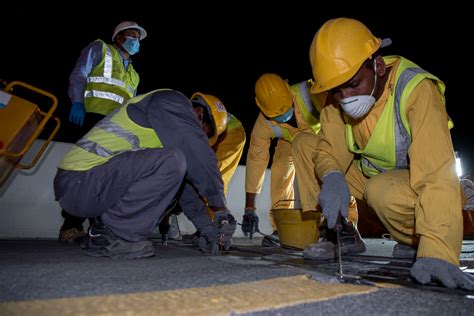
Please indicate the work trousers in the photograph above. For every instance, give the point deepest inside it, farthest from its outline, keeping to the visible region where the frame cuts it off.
(130, 192)
(437, 234)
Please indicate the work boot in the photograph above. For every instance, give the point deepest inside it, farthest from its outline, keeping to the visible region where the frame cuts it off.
(271, 240)
(71, 236)
(101, 242)
(350, 241)
(403, 251)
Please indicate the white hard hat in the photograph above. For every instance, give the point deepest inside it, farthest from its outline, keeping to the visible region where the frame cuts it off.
(125, 25)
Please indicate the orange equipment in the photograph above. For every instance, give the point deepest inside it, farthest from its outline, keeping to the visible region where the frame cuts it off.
(21, 123)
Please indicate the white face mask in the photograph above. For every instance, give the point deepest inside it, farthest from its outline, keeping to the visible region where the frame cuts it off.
(359, 105)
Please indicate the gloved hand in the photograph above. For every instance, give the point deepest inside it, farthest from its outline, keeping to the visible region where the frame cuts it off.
(334, 197)
(225, 225)
(77, 113)
(207, 241)
(426, 270)
(250, 222)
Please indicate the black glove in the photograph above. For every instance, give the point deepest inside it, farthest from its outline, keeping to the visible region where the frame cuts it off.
(225, 225)
(250, 222)
(426, 270)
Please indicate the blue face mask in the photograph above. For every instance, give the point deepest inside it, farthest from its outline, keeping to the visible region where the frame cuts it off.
(285, 117)
(131, 45)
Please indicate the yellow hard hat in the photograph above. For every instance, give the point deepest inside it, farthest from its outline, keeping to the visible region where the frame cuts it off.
(338, 50)
(216, 110)
(273, 95)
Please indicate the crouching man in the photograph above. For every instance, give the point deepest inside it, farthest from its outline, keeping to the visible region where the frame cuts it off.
(133, 166)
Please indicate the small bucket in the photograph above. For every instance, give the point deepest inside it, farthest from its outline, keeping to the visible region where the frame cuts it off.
(296, 229)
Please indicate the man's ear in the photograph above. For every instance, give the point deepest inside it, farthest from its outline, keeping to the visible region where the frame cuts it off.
(381, 66)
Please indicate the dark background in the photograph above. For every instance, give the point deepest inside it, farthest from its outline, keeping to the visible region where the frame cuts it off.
(223, 49)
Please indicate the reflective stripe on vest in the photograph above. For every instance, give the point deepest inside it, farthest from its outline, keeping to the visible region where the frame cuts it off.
(108, 87)
(110, 127)
(104, 95)
(115, 134)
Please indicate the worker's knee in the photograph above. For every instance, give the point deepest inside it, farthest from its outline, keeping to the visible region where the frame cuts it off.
(176, 162)
(377, 194)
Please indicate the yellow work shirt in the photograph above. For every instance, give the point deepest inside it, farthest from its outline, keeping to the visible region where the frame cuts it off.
(430, 157)
(258, 154)
(229, 148)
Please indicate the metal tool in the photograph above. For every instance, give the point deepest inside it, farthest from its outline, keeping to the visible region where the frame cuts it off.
(345, 278)
(338, 229)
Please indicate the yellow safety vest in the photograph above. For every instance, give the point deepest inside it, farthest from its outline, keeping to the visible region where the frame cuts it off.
(113, 135)
(309, 106)
(232, 122)
(109, 84)
(388, 145)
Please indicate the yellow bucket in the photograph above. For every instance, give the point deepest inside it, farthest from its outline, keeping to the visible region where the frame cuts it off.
(296, 229)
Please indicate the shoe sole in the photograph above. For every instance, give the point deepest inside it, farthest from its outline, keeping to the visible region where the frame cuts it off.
(331, 256)
(146, 252)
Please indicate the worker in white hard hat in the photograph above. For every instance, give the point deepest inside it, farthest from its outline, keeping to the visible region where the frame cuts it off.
(386, 140)
(102, 80)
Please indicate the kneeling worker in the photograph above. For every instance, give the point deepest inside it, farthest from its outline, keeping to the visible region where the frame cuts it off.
(133, 165)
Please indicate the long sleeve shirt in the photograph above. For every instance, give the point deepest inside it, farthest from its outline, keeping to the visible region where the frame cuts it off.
(258, 155)
(90, 57)
(431, 159)
(171, 115)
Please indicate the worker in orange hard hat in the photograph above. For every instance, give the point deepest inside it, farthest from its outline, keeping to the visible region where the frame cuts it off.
(289, 114)
(225, 131)
(386, 140)
(102, 80)
(226, 137)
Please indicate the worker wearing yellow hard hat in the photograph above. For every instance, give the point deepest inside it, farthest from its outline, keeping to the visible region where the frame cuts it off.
(226, 133)
(226, 137)
(289, 114)
(137, 163)
(386, 140)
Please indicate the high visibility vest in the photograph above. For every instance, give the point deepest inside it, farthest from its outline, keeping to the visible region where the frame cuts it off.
(388, 145)
(109, 84)
(232, 122)
(113, 135)
(310, 109)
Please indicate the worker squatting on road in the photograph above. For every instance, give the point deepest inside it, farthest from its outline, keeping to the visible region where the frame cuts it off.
(132, 167)
(386, 140)
(102, 80)
(226, 138)
(291, 115)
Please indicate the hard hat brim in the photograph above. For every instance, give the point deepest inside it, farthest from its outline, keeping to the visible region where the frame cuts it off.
(142, 31)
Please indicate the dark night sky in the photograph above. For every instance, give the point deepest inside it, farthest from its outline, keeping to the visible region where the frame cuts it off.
(223, 52)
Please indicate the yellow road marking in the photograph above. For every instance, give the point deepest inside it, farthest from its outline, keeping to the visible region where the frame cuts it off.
(214, 300)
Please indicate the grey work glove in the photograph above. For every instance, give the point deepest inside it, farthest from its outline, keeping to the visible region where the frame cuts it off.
(225, 225)
(334, 197)
(250, 222)
(207, 241)
(426, 270)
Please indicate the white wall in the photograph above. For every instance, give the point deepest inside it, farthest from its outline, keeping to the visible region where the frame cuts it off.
(28, 208)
